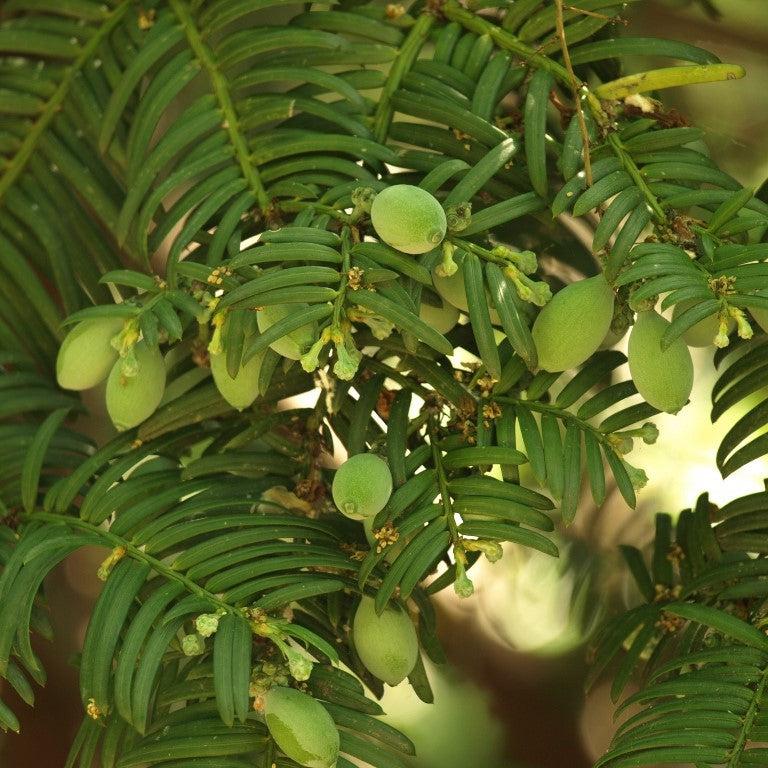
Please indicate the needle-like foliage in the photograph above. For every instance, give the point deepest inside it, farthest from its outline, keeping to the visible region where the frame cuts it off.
(201, 174)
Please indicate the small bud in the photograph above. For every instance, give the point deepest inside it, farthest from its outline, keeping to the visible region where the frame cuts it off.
(447, 267)
(193, 645)
(721, 340)
(206, 624)
(491, 549)
(743, 328)
(534, 292)
(93, 710)
(525, 293)
(458, 217)
(310, 360)
(348, 357)
(525, 261)
(216, 345)
(542, 293)
(265, 626)
(649, 433)
(463, 585)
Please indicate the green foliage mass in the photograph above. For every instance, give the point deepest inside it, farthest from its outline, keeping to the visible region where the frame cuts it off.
(196, 180)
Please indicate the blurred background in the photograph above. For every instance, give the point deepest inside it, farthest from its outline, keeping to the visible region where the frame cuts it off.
(512, 695)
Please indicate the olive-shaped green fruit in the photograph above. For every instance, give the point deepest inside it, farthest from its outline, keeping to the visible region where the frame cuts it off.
(301, 727)
(131, 399)
(451, 289)
(703, 333)
(86, 355)
(664, 377)
(442, 318)
(408, 218)
(387, 644)
(572, 326)
(362, 486)
(297, 342)
(243, 389)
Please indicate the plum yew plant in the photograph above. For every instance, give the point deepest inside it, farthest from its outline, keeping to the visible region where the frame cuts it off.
(207, 208)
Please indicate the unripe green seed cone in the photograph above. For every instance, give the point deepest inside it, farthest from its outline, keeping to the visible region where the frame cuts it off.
(408, 218)
(132, 399)
(451, 289)
(86, 355)
(442, 319)
(387, 644)
(243, 389)
(362, 486)
(297, 342)
(301, 727)
(573, 325)
(703, 333)
(664, 378)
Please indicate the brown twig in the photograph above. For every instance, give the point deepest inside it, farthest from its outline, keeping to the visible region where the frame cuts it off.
(575, 86)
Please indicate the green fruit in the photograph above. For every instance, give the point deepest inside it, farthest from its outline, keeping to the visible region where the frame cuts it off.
(131, 399)
(301, 727)
(442, 319)
(452, 290)
(243, 389)
(664, 378)
(703, 333)
(408, 218)
(362, 486)
(573, 325)
(86, 355)
(387, 644)
(297, 342)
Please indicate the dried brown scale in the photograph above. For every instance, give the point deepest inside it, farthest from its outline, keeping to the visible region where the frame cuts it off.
(384, 402)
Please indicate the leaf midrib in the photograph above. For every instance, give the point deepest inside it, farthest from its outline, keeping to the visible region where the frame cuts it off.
(54, 105)
(224, 98)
